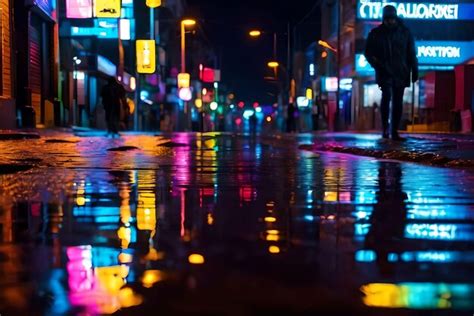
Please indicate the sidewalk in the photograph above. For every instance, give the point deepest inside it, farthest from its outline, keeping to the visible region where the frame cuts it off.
(452, 150)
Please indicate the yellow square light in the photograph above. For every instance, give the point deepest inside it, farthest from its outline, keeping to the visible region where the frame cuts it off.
(108, 8)
(146, 56)
(184, 80)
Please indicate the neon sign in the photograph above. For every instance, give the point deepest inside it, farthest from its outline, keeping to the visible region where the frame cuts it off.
(79, 9)
(430, 53)
(372, 10)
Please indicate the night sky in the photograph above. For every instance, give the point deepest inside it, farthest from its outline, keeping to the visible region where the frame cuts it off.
(243, 59)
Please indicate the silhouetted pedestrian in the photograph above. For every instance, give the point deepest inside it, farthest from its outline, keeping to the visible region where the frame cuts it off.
(290, 122)
(113, 99)
(391, 52)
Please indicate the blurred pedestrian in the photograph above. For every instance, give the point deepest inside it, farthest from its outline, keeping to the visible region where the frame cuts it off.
(391, 52)
(114, 101)
(290, 123)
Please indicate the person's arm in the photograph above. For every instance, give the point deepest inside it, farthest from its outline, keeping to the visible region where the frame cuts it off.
(412, 58)
(370, 51)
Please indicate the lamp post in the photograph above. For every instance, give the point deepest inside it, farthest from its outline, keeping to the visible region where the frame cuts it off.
(255, 33)
(336, 51)
(185, 23)
(76, 61)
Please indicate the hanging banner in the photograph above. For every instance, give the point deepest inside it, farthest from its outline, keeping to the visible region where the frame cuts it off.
(107, 8)
(146, 56)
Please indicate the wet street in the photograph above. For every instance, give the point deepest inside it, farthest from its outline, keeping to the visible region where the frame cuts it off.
(221, 224)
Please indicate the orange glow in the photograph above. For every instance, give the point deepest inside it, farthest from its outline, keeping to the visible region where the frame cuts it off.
(154, 255)
(273, 232)
(274, 249)
(196, 259)
(255, 33)
(269, 119)
(150, 277)
(210, 219)
(270, 219)
(273, 238)
(125, 258)
(324, 54)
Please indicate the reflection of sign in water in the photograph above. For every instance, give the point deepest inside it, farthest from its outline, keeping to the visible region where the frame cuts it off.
(107, 8)
(146, 59)
(79, 9)
(372, 10)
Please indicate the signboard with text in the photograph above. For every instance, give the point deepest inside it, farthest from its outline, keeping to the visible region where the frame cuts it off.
(430, 53)
(107, 8)
(372, 10)
(146, 56)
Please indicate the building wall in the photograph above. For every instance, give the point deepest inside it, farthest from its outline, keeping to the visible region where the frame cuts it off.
(7, 104)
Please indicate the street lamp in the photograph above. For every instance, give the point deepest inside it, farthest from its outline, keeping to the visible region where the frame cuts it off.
(184, 23)
(273, 64)
(327, 45)
(338, 76)
(255, 33)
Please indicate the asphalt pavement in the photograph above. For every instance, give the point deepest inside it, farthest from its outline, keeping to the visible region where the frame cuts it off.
(222, 224)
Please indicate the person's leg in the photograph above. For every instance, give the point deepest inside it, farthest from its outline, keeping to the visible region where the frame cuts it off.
(397, 110)
(385, 108)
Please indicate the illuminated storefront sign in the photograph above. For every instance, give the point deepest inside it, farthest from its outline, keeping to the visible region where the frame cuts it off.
(146, 56)
(106, 28)
(107, 8)
(372, 10)
(430, 53)
(79, 9)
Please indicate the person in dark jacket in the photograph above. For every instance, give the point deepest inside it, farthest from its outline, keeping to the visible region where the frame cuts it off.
(391, 52)
(113, 96)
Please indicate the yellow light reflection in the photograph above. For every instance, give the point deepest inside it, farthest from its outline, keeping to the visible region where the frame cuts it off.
(273, 232)
(330, 196)
(384, 295)
(125, 258)
(273, 238)
(196, 259)
(154, 255)
(125, 236)
(129, 298)
(151, 277)
(274, 249)
(81, 201)
(210, 219)
(146, 209)
(270, 219)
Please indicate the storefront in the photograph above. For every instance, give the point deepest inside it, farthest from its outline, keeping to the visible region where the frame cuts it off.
(443, 39)
(36, 40)
(7, 103)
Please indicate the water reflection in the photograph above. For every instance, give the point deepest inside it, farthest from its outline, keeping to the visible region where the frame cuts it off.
(220, 213)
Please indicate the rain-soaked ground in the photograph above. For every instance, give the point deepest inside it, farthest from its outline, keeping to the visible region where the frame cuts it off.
(217, 224)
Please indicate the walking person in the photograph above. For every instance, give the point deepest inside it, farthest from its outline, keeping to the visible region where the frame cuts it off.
(113, 99)
(391, 52)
